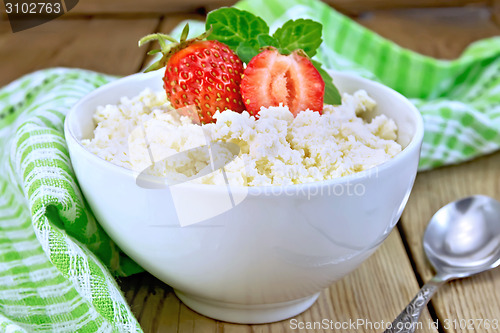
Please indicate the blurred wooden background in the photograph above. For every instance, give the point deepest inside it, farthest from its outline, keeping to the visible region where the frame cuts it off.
(350, 7)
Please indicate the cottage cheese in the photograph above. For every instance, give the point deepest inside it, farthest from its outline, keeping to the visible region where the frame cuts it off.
(277, 149)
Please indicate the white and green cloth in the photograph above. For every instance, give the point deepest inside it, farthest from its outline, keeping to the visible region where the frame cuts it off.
(57, 264)
(50, 277)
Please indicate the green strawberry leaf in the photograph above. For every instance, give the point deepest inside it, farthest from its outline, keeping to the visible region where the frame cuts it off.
(232, 26)
(332, 94)
(299, 34)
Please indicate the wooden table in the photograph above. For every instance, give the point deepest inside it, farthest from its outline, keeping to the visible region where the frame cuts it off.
(383, 285)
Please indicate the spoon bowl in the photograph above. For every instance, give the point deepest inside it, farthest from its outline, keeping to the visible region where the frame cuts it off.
(462, 239)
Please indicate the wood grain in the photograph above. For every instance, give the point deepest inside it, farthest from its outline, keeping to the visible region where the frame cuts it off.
(26, 51)
(433, 190)
(182, 6)
(91, 7)
(168, 23)
(496, 12)
(104, 45)
(385, 278)
(441, 33)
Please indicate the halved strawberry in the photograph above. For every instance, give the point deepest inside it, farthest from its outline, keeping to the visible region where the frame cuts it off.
(272, 78)
(201, 76)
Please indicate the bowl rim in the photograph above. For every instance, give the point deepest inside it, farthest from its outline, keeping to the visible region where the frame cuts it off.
(414, 144)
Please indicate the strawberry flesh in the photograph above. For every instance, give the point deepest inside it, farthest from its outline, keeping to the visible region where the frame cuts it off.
(271, 79)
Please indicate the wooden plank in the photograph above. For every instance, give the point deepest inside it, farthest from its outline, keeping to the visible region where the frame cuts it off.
(375, 292)
(4, 28)
(28, 50)
(144, 6)
(183, 6)
(474, 298)
(496, 12)
(116, 52)
(169, 22)
(104, 45)
(441, 33)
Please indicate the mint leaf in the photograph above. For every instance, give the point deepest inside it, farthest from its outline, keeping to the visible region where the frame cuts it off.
(247, 50)
(232, 26)
(250, 48)
(299, 34)
(266, 40)
(332, 94)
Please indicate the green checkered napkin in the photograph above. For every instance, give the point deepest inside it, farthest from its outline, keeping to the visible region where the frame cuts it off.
(56, 263)
(49, 281)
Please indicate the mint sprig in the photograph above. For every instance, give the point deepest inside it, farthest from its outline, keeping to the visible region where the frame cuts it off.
(246, 34)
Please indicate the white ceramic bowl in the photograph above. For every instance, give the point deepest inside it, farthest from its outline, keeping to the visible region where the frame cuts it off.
(267, 254)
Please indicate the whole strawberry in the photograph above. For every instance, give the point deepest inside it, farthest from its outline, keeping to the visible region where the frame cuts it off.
(200, 73)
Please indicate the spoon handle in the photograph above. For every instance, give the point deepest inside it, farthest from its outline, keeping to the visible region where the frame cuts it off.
(407, 321)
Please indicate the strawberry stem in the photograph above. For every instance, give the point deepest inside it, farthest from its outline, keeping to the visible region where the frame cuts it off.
(167, 49)
(152, 52)
(159, 37)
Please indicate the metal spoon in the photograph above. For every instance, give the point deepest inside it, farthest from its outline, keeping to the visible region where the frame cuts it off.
(462, 239)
